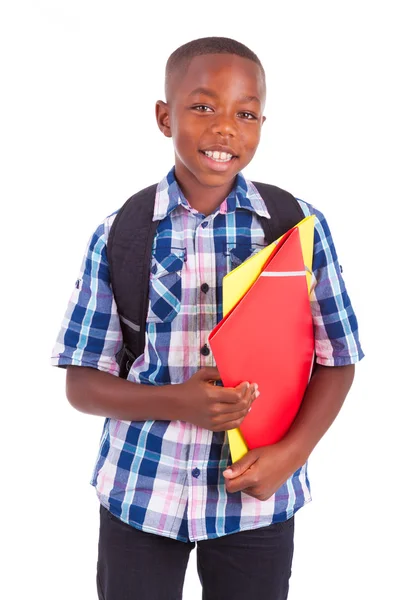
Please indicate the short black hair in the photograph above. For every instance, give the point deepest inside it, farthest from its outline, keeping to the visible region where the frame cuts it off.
(208, 45)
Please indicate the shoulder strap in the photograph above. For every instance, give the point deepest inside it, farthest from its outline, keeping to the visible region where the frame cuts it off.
(128, 251)
(283, 208)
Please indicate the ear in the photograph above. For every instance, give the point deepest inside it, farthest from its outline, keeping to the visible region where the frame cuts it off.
(162, 116)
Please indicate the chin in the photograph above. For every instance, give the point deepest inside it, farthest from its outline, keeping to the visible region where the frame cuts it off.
(214, 179)
(217, 181)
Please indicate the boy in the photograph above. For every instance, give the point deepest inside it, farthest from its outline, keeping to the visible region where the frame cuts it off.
(163, 474)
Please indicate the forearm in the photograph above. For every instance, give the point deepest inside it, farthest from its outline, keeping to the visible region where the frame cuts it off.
(322, 402)
(99, 393)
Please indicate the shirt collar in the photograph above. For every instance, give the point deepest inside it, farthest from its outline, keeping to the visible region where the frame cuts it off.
(243, 195)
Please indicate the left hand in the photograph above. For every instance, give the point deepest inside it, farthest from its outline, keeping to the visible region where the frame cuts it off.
(261, 472)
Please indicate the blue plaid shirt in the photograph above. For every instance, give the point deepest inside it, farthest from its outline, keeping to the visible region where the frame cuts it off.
(166, 477)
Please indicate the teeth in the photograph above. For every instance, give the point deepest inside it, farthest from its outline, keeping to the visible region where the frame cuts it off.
(218, 156)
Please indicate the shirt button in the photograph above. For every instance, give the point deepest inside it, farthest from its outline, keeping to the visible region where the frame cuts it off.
(204, 224)
(196, 472)
(205, 287)
(205, 350)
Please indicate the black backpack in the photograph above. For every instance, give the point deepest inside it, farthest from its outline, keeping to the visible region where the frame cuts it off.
(129, 249)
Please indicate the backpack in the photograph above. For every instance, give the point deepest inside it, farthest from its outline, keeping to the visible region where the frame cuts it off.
(129, 250)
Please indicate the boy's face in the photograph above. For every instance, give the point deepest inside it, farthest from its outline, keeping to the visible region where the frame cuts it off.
(214, 114)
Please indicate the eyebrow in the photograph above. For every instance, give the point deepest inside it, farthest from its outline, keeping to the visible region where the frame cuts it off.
(207, 92)
(250, 99)
(204, 91)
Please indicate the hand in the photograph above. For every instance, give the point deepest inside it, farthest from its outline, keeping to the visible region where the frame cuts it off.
(261, 472)
(214, 407)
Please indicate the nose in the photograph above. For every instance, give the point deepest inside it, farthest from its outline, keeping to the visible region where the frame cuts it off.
(224, 126)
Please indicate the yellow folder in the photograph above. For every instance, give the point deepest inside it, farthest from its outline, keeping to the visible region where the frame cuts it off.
(235, 285)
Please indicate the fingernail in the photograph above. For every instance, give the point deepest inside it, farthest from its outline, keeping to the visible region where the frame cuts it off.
(257, 394)
(227, 472)
(249, 409)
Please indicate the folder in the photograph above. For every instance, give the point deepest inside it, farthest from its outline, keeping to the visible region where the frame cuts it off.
(239, 280)
(267, 337)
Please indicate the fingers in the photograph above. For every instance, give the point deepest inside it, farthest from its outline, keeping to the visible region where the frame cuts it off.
(250, 394)
(228, 416)
(248, 391)
(253, 393)
(242, 465)
(230, 404)
(246, 480)
(244, 391)
(230, 413)
(253, 387)
(211, 374)
(237, 485)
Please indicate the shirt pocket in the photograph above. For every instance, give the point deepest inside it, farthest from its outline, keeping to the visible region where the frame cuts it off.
(165, 285)
(240, 252)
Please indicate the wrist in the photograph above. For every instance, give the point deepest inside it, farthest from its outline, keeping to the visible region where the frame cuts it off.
(162, 401)
(176, 399)
(294, 454)
(168, 402)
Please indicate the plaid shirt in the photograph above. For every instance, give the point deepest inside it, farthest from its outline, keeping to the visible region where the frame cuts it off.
(166, 477)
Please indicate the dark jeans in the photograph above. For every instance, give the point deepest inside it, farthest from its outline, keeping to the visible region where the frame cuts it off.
(133, 565)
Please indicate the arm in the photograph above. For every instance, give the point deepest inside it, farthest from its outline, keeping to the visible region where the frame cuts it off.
(98, 393)
(263, 470)
(91, 337)
(197, 400)
(324, 398)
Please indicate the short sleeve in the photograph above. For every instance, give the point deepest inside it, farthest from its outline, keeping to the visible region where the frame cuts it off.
(90, 334)
(335, 324)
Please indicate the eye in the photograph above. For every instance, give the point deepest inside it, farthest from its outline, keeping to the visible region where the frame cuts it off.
(248, 116)
(202, 108)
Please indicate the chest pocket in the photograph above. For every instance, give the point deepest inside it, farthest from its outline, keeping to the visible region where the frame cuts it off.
(240, 253)
(165, 286)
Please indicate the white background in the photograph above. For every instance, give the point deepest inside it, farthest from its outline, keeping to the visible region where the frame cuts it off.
(78, 137)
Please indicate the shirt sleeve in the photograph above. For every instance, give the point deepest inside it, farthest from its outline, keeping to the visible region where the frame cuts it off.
(90, 334)
(335, 324)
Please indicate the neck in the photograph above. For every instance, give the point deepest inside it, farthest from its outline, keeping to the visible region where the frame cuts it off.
(204, 199)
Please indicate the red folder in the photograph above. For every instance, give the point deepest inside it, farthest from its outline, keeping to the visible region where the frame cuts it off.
(268, 339)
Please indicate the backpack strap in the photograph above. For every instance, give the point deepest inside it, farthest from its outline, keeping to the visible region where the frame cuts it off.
(284, 210)
(129, 251)
(129, 255)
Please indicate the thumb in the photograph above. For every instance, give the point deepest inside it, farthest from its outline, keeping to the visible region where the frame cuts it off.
(239, 467)
(208, 374)
(243, 387)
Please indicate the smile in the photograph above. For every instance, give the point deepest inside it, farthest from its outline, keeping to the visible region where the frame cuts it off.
(218, 156)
